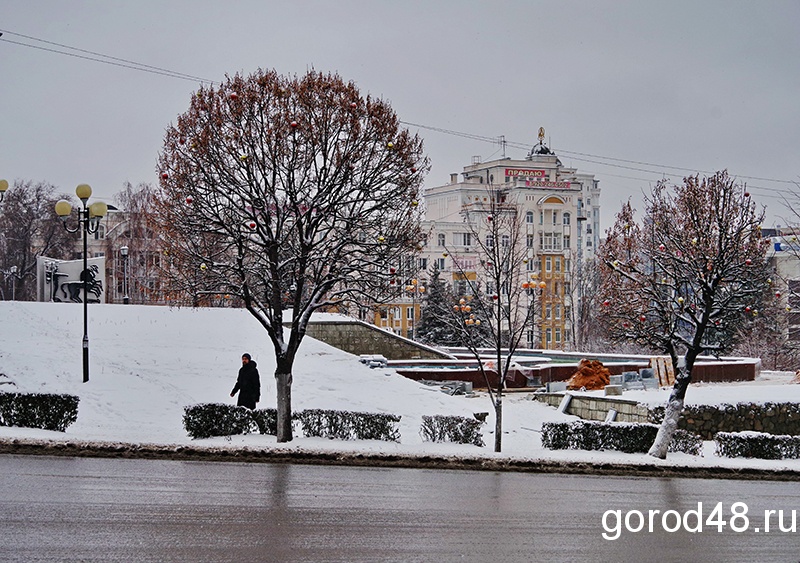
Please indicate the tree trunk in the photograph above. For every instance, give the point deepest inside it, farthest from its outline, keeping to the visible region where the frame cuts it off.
(671, 414)
(283, 384)
(498, 422)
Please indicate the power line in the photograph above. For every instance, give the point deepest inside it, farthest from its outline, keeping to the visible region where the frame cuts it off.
(579, 156)
(115, 61)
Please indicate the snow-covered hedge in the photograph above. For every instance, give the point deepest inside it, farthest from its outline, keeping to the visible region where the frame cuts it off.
(218, 419)
(38, 410)
(757, 444)
(625, 437)
(458, 429)
(345, 425)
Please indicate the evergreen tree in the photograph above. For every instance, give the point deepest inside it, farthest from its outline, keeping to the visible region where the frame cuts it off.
(434, 323)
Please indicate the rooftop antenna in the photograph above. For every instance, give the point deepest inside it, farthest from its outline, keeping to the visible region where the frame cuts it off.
(502, 140)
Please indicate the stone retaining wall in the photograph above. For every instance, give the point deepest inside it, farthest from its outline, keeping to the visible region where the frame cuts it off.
(596, 408)
(359, 337)
(705, 420)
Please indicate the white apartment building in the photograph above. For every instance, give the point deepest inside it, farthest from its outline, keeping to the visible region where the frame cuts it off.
(560, 210)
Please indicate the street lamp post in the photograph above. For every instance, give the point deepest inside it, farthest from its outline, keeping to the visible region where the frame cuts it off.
(413, 290)
(125, 298)
(88, 222)
(3, 188)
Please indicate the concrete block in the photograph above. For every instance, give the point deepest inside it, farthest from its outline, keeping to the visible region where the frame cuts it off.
(615, 380)
(650, 383)
(611, 415)
(556, 386)
(613, 390)
(565, 401)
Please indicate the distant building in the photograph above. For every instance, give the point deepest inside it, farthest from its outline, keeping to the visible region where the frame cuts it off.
(560, 208)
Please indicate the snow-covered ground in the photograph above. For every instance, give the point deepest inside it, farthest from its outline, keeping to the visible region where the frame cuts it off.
(148, 363)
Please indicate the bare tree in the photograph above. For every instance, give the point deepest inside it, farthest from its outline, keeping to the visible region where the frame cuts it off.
(291, 193)
(139, 232)
(499, 314)
(684, 280)
(29, 228)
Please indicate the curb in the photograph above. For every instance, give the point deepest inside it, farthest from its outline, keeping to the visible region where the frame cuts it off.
(194, 453)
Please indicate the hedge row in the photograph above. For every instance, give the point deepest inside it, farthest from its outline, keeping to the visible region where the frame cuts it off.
(456, 429)
(344, 425)
(38, 410)
(625, 437)
(217, 419)
(757, 445)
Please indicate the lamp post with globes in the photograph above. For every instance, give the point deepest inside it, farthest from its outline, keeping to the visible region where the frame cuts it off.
(3, 188)
(88, 222)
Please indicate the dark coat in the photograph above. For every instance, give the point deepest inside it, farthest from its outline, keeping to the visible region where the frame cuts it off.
(248, 385)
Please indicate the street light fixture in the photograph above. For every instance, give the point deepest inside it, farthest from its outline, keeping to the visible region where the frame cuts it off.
(125, 298)
(88, 222)
(3, 188)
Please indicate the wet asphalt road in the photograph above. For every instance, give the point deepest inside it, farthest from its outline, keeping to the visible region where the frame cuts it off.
(90, 509)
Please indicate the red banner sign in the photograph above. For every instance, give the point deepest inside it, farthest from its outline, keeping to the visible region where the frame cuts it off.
(521, 172)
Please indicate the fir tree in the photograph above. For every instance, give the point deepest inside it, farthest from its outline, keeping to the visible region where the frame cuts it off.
(435, 326)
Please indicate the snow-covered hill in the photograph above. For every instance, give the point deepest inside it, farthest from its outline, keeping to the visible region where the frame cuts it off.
(148, 363)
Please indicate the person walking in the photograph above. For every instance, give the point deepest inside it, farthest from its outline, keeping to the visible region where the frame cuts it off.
(248, 384)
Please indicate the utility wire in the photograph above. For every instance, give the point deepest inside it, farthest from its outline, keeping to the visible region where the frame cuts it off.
(579, 156)
(115, 61)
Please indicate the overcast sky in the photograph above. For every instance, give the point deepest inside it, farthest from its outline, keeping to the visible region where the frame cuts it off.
(672, 87)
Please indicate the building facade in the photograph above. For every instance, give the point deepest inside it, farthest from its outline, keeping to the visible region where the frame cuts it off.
(559, 212)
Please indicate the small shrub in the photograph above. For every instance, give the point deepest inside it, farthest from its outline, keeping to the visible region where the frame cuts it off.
(757, 445)
(38, 410)
(457, 429)
(217, 419)
(375, 426)
(344, 425)
(624, 437)
(266, 420)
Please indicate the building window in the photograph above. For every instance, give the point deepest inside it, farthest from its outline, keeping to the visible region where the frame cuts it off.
(397, 313)
(440, 239)
(541, 217)
(558, 264)
(529, 266)
(549, 335)
(100, 233)
(548, 264)
(530, 240)
(567, 241)
(558, 310)
(558, 336)
(529, 217)
(548, 311)
(463, 239)
(505, 240)
(423, 263)
(410, 313)
(566, 218)
(555, 217)
(489, 241)
(440, 263)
